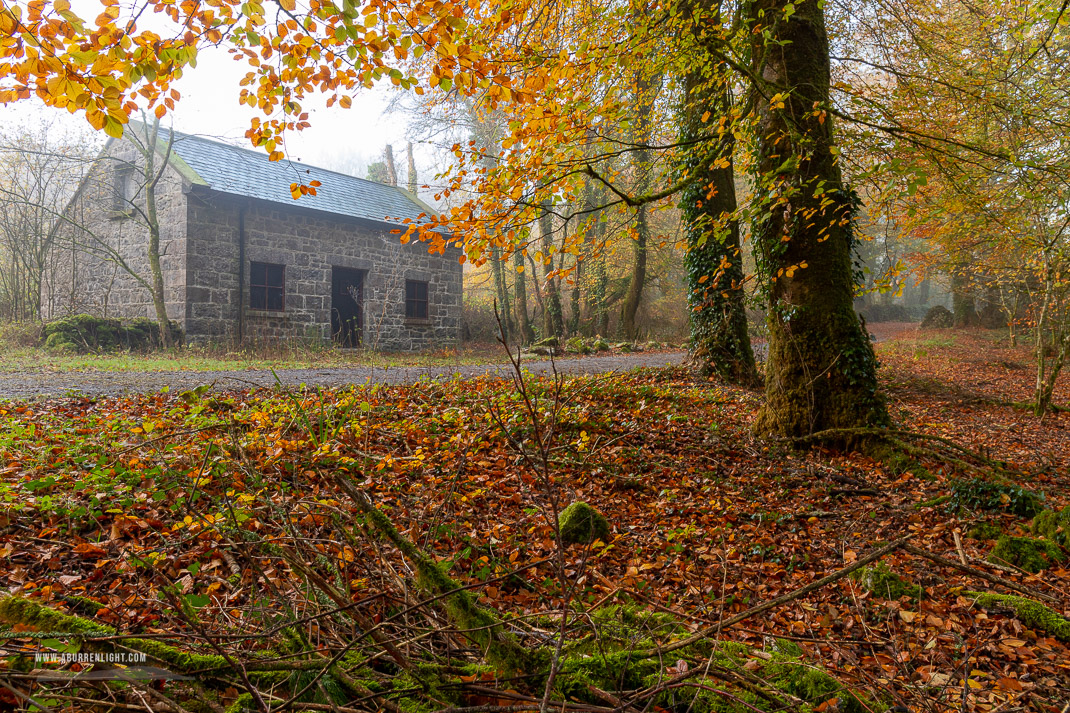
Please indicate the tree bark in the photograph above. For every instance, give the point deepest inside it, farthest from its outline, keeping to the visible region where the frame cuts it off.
(501, 290)
(822, 371)
(552, 319)
(720, 344)
(152, 178)
(526, 332)
(962, 302)
(645, 89)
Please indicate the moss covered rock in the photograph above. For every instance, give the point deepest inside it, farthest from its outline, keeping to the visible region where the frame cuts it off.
(938, 317)
(984, 531)
(1030, 554)
(84, 333)
(881, 581)
(1054, 525)
(582, 524)
(1033, 614)
(577, 345)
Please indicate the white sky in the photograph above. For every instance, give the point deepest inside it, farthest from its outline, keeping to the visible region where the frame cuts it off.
(339, 139)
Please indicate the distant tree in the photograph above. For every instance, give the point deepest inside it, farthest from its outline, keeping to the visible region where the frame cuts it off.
(40, 169)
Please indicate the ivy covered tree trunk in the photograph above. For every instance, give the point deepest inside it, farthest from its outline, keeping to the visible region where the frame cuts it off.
(821, 371)
(720, 344)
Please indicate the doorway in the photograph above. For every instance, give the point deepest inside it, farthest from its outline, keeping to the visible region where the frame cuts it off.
(347, 306)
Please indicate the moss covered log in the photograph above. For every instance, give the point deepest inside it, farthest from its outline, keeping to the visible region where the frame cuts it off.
(480, 625)
(1033, 614)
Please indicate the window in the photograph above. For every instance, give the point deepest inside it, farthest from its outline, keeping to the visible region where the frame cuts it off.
(415, 299)
(124, 190)
(267, 286)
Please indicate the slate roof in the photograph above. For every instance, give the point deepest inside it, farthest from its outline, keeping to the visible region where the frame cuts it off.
(247, 172)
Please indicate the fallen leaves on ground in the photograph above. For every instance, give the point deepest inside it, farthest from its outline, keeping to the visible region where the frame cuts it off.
(112, 499)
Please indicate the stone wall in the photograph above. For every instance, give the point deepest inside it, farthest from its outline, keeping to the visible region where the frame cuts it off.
(94, 241)
(309, 243)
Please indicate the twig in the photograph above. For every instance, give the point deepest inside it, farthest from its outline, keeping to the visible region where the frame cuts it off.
(958, 546)
(795, 594)
(914, 550)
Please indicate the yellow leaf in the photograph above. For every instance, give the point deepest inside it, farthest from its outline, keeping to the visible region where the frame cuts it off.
(288, 5)
(113, 128)
(705, 117)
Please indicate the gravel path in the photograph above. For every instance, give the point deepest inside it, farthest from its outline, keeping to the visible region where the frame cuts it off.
(98, 383)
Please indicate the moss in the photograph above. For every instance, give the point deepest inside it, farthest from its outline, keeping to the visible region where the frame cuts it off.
(325, 690)
(1030, 554)
(810, 683)
(242, 704)
(881, 581)
(582, 524)
(500, 648)
(984, 531)
(1053, 525)
(613, 670)
(933, 502)
(1033, 614)
(17, 610)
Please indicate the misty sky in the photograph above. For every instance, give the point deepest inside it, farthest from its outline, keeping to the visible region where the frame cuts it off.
(339, 139)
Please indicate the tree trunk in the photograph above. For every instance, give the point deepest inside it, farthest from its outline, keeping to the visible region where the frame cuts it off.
(822, 371)
(645, 89)
(526, 332)
(962, 303)
(577, 288)
(720, 343)
(152, 177)
(501, 291)
(601, 290)
(552, 319)
(635, 286)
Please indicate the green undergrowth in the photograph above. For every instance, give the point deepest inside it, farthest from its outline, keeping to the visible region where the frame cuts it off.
(984, 531)
(986, 494)
(1032, 555)
(612, 658)
(881, 581)
(1053, 525)
(1031, 613)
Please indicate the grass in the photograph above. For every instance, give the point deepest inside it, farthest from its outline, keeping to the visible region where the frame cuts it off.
(193, 358)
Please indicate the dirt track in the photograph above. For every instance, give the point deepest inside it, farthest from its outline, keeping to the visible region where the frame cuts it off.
(99, 383)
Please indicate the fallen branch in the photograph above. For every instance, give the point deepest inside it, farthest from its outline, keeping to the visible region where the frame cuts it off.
(914, 550)
(795, 594)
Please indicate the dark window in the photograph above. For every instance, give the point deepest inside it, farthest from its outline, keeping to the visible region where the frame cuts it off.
(123, 192)
(415, 299)
(267, 286)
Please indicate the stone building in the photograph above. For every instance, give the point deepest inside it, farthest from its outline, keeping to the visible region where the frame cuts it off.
(243, 261)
